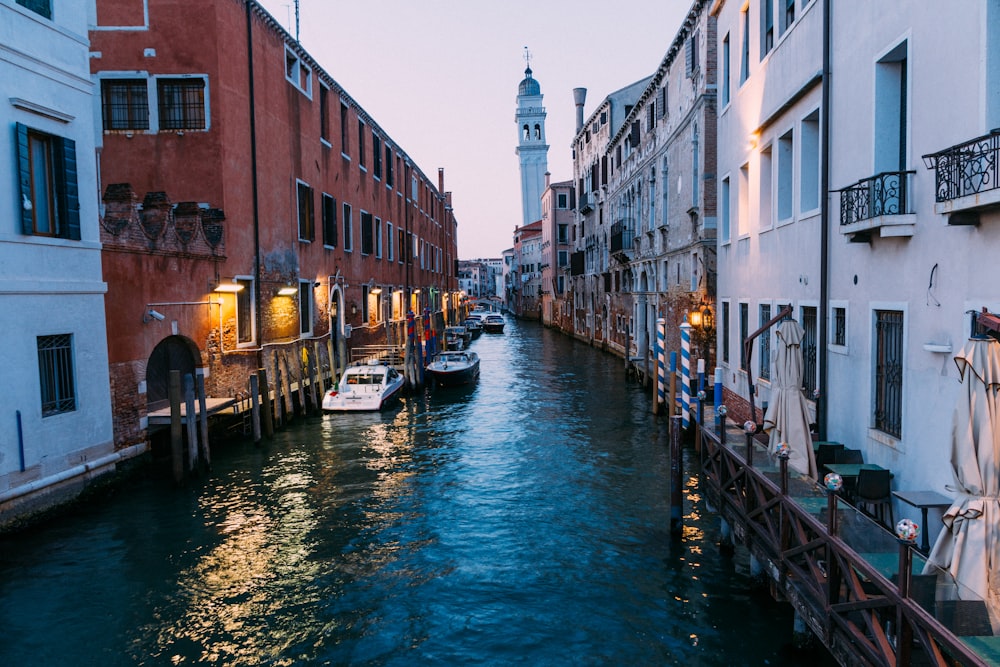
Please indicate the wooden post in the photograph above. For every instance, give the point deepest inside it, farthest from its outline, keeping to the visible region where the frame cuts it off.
(265, 400)
(332, 365)
(316, 377)
(676, 496)
(672, 386)
(206, 454)
(301, 359)
(190, 422)
(255, 407)
(176, 434)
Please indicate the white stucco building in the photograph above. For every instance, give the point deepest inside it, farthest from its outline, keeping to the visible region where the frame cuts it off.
(878, 242)
(56, 397)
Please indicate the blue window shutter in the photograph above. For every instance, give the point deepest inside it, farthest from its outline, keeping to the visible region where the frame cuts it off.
(24, 179)
(69, 191)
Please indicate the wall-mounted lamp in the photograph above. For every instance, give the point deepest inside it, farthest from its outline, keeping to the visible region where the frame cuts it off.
(228, 287)
(354, 308)
(288, 290)
(702, 318)
(375, 290)
(153, 315)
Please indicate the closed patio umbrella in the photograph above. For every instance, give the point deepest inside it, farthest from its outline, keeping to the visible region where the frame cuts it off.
(787, 416)
(969, 545)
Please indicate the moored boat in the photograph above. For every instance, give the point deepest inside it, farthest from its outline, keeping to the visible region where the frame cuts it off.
(454, 367)
(493, 323)
(457, 337)
(364, 386)
(474, 325)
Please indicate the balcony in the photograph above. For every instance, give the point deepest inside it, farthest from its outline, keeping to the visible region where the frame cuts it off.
(576, 263)
(880, 203)
(586, 204)
(621, 239)
(966, 178)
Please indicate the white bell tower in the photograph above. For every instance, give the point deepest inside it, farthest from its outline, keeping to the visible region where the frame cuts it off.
(532, 150)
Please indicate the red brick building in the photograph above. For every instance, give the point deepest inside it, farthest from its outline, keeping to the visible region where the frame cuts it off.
(254, 214)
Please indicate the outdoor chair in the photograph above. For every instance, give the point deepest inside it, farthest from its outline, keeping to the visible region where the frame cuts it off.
(826, 454)
(874, 494)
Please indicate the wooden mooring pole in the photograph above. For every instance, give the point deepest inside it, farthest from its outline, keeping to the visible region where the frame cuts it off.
(190, 422)
(176, 432)
(255, 407)
(676, 495)
(206, 454)
(265, 400)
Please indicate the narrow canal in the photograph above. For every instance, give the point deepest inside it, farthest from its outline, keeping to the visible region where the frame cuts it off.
(523, 520)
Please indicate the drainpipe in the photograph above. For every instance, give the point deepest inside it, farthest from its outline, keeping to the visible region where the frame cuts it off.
(258, 316)
(824, 259)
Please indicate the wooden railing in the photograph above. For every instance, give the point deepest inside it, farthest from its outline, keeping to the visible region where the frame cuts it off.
(860, 613)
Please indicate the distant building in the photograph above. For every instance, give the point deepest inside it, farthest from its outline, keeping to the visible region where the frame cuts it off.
(557, 220)
(55, 392)
(525, 286)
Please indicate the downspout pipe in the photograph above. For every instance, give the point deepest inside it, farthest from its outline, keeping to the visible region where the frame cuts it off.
(258, 316)
(824, 259)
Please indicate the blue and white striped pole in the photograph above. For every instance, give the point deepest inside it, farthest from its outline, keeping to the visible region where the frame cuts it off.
(701, 389)
(686, 375)
(661, 361)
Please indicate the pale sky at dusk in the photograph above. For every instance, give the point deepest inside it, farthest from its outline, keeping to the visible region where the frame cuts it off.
(441, 76)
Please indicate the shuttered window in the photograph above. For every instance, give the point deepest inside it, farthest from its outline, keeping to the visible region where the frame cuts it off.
(50, 201)
(329, 221)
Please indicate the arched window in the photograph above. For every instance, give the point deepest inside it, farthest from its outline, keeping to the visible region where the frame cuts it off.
(527, 133)
(538, 131)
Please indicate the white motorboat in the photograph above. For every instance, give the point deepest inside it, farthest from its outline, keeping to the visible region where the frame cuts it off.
(365, 386)
(474, 325)
(457, 337)
(454, 367)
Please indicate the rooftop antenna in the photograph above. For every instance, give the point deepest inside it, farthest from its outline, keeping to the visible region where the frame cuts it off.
(296, 20)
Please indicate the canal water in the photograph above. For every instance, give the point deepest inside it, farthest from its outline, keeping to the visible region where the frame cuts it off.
(524, 520)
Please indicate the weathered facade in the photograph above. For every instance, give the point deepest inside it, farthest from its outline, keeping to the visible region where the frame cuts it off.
(255, 215)
(557, 219)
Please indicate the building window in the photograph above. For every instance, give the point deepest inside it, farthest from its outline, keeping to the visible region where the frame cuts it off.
(840, 326)
(563, 233)
(890, 110)
(55, 374)
(344, 146)
(724, 209)
(809, 163)
(390, 179)
(245, 311)
(373, 305)
(181, 103)
(367, 234)
(888, 388)
(378, 237)
(401, 246)
(50, 202)
(307, 227)
(787, 16)
(744, 332)
(766, 27)
(324, 113)
(765, 211)
(305, 307)
(786, 150)
(725, 70)
(125, 104)
(743, 201)
(361, 144)
(376, 156)
(40, 7)
(298, 73)
(563, 258)
(725, 332)
(348, 223)
(562, 201)
(764, 343)
(809, 347)
(329, 221)
(745, 52)
(388, 241)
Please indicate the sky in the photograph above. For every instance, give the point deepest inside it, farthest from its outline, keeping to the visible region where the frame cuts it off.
(440, 77)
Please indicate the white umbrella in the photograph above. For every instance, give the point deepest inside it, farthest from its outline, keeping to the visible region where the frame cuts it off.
(969, 546)
(787, 416)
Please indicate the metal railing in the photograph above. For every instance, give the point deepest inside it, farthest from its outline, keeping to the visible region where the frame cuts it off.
(621, 236)
(881, 194)
(966, 169)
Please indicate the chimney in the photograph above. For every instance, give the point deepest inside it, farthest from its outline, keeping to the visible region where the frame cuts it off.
(548, 180)
(579, 95)
(441, 179)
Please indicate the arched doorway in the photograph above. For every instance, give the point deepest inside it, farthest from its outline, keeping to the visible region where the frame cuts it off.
(174, 353)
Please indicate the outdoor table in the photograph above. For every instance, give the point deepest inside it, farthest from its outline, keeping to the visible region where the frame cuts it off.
(923, 500)
(850, 471)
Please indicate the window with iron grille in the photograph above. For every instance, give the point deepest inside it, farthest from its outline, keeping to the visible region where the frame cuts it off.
(809, 339)
(888, 390)
(55, 374)
(744, 332)
(181, 103)
(840, 326)
(765, 343)
(125, 104)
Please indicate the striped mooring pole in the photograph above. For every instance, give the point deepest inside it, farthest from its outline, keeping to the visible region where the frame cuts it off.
(661, 362)
(686, 375)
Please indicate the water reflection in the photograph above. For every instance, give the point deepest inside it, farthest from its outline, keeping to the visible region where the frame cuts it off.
(522, 519)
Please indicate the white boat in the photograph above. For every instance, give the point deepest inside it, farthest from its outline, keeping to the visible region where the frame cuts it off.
(365, 386)
(493, 323)
(454, 367)
(474, 325)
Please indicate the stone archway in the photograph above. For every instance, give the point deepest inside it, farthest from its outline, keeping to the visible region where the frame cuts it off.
(174, 353)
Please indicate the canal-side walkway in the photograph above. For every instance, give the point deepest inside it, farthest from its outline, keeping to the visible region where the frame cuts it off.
(837, 566)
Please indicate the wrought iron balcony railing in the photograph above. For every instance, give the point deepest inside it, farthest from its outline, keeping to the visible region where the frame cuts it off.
(966, 169)
(586, 202)
(881, 194)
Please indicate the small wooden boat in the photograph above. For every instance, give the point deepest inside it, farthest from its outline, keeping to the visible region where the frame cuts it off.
(364, 387)
(454, 367)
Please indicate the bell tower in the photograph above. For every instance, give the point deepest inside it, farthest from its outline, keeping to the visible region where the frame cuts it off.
(532, 151)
